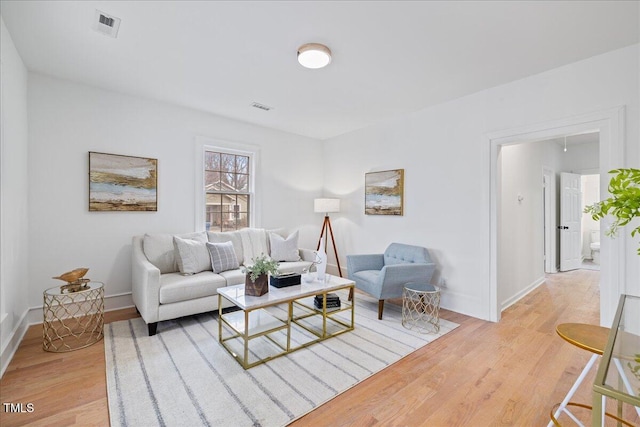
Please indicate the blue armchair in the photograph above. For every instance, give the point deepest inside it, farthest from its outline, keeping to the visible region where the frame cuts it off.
(384, 275)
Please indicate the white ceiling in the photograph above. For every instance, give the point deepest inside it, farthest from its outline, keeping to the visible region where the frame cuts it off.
(389, 58)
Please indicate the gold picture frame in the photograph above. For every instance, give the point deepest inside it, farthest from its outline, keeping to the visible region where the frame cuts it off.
(384, 192)
(122, 183)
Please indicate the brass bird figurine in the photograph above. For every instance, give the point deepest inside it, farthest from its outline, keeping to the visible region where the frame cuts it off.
(74, 279)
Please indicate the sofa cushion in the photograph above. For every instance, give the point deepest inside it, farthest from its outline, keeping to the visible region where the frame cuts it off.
(223, 256)
(234, 277)
(175, 287)
(254, 244)
(192, 256)
(228, 236)
(284, 249)
(282, 232)
(159, 249)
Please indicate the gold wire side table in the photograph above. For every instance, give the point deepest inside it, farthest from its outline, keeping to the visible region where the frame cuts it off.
(73, 320)
(421, 307)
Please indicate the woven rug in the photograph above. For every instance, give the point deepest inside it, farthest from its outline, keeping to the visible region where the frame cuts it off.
(183, 376)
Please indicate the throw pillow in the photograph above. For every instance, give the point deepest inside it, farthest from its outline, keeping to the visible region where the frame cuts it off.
(192, 256)
(223, 256)
(284, 249)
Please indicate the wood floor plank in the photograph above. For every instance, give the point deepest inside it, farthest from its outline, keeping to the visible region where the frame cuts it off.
(482, 374)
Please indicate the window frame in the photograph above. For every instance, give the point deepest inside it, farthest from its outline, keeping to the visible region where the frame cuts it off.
(252, 152)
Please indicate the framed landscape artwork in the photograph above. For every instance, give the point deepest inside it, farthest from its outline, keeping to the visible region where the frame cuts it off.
(384, 192)
(122, 183)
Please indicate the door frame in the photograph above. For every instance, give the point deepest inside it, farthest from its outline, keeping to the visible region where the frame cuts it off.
(610, 124)
(548, 182)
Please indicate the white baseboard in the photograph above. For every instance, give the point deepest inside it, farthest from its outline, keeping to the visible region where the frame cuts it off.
(15, 338)
(33, 316)
(517, 297)
(111, 303)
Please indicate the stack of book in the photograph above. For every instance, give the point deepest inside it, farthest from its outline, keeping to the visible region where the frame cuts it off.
(333, 302)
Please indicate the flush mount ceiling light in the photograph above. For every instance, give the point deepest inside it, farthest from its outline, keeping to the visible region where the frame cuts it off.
(314, 55)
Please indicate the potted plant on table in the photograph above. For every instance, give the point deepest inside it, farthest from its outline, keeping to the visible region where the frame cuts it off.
(257, 279)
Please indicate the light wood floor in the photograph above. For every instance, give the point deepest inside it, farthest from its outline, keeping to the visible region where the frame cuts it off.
(482, 374)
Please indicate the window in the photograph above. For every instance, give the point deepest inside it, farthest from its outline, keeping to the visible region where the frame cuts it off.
(227, 191)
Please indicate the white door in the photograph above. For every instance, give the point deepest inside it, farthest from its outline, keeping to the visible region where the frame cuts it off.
(570, 217)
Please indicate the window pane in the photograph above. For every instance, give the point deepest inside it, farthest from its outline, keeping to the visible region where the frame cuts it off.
(243, 202)
(212, 214)
(211, 161)
(228, 163)
(211, 181)
(242, 164)
(228, 181)
(242, 182)
(242, 221)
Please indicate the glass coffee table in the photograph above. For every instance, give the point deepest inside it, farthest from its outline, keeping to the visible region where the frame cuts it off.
(618, 375)
(283, 320)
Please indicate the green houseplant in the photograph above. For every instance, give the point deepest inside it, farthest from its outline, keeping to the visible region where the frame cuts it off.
(624, 203)
(257, 280)
(624, 206)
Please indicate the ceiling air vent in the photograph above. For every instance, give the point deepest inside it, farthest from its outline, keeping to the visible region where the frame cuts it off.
(106, 24)
(261, 106)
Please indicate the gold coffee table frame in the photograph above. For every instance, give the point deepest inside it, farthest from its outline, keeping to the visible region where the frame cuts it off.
(72, 320)
(254, 321)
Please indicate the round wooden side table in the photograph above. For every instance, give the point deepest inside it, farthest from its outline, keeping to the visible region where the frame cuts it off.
(587, 337)
(73, 320)
(421, 307)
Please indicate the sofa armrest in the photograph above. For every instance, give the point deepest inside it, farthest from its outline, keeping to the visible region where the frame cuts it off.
(307, 255)
(145, 283)
(357, 263)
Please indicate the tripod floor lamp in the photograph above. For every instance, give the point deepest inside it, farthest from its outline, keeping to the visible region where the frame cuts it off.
(327, 206)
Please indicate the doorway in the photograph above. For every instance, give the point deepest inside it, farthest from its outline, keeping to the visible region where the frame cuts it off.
(609, 124)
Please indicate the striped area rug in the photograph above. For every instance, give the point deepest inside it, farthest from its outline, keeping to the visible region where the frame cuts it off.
(183, 377)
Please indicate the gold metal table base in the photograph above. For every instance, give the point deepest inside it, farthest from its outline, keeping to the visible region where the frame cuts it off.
(421, 309)
(72, 320)
(254, 324)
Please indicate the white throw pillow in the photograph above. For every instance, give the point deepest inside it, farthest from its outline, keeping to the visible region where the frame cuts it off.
(192, 256)
(223, 256)
(284, 249)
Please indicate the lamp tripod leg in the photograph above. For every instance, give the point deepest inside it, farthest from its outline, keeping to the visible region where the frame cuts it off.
(326, 230)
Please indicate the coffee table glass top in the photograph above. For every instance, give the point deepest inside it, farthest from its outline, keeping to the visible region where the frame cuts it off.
(235, 294)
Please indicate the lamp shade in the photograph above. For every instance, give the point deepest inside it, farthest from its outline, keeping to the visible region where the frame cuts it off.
(326, 205)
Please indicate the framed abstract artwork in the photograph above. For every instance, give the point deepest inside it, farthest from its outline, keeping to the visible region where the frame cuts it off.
(384, 192)
(122, 183)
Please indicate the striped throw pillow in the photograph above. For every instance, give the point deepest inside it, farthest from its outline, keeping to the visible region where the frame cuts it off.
(223, 256)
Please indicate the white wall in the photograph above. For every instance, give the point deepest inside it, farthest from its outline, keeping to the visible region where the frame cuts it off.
(581, 158)
(14, 179)
(67, 120)
(447, 165)
(521, 221)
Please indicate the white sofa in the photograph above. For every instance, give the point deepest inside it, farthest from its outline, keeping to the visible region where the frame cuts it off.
(161, 292)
